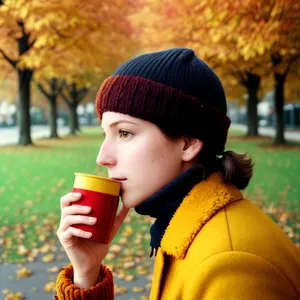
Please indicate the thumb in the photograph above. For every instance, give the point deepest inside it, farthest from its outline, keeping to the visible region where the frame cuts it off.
(119, 220)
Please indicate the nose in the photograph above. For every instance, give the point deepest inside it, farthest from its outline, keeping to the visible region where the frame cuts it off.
(106, 156)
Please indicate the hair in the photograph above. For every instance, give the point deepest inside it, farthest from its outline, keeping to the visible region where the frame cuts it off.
(237, 169)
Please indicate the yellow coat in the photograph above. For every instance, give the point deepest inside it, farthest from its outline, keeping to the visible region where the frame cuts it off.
(219, 245)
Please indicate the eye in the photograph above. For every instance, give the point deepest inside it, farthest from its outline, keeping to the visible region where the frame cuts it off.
(123, 134)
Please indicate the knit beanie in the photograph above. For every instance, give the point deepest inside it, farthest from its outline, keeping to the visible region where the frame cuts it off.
(173, 89)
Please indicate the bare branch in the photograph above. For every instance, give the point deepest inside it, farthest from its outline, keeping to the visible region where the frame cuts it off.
(65, 98)
(11, 61)
(68, 88)
(31, 44)
(43, 91)
(59, 33)
(293, 59)
(241, 78)
(82, 94)
(21, 24)
(61, 87)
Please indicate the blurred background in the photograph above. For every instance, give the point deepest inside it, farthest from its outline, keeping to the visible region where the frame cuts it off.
(54, 55)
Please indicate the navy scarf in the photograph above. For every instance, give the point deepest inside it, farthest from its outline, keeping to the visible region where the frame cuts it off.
(164, 203)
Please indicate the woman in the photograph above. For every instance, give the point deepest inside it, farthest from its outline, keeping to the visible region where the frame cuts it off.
(164, 116)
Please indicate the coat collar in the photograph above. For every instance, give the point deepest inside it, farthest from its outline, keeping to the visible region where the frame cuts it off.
(202, 202)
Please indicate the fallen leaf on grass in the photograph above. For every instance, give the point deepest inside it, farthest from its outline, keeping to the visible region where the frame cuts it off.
(42, 238)
(123, 241)
(47, 248)
(127, 220)
(50, 287)
(129, 278)
(127, 231)
(120, 290)
(110, 256)
(48, 258)
(53, 269)
(138, 289)
(19, 228)
(110, 266)
(128, 264)
(22, 250)
(60, 182)
(24, 272)
(140, 253)
(142, 270)
(9, 295)
(121, 275)
(115, 248)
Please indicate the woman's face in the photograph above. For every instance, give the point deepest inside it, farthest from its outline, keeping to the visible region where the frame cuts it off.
(137, 154)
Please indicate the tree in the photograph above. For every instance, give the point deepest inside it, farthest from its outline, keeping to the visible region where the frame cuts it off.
(29, 29)
(55, 89)
(233, 33)
(200, 26)
(74, 97)
(278, 37)
(23, 27)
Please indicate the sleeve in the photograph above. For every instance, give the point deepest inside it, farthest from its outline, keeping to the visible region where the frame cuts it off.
(239, 275)
(67, 290)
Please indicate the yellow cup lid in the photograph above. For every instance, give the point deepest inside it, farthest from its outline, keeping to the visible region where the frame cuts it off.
(97, 184)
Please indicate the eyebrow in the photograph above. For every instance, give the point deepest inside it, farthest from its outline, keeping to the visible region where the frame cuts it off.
(121, 121)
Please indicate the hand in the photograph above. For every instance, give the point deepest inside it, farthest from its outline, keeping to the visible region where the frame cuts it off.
(85, 256)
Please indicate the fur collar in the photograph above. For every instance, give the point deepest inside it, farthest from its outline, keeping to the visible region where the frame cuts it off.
(202, 202)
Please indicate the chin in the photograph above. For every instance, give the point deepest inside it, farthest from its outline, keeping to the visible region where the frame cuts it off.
(130, 202)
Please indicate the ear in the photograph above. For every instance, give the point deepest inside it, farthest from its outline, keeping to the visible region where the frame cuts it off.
(191, 148)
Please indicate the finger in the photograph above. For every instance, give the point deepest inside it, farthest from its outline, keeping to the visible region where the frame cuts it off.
(68, 199)
(76, 219)
(72, 232)
(119, 220)
(75, 210)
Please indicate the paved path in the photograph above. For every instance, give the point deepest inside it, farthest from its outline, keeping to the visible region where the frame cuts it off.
(290, 134)
(10, 136)
(32, 287)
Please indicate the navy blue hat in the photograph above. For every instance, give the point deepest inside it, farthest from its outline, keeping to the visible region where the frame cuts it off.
(173, 89)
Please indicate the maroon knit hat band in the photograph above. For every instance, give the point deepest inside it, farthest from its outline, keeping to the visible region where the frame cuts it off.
(165, 106)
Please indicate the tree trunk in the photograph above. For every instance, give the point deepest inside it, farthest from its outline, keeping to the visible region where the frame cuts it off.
(279, 101)
(75, 96)
(77, 126)
(53, 117)
(24, 78)
(279, 80)
(253, 82)
(73, 119)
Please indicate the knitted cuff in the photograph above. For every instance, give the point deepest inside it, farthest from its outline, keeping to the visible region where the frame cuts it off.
(67, 290)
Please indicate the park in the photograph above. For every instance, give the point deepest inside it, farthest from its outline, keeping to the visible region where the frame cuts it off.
(54, 56)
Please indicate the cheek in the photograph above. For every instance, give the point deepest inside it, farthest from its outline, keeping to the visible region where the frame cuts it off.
(155, 157)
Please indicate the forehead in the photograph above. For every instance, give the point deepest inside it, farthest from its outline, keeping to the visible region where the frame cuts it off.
(110, 118)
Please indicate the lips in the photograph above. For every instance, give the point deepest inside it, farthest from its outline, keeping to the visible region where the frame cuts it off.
(118, 179)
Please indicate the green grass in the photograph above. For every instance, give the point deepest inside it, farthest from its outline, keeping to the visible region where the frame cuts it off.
(37, 176)
(32, 180)
(276, 172)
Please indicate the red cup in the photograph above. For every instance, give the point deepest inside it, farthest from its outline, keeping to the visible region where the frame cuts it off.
(102, 195)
